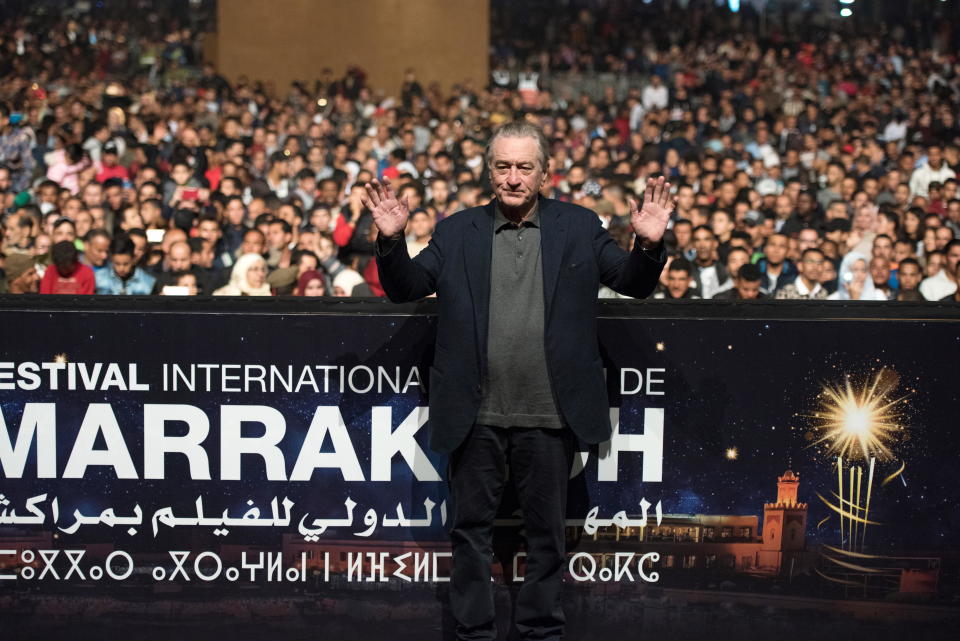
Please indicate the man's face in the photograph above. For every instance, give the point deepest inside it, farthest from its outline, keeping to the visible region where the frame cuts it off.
(209, 230)
(736, 260)
(909, 276)
(783, 208)
(252, 243)
(683, 233)
(808, 239)
(863, 219)
(276, 238)
(179, 257)
(880, 271)
(705, 243)
(678, 282)
(720, 223)
(776, 249)
(123, 265)
(516, 172)
(180, 174)
(747, 289)
(685, 198)
(883, 248)
(943, 235)
(96, 250)
(934, 157)
(140, 248)
(420, 225)
(811, 266)
(64, 232)
(5, 182)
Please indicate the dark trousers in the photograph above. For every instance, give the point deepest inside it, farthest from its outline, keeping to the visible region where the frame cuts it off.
(539, 461)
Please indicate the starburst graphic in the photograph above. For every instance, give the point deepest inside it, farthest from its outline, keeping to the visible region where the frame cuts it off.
(60, 358)
(859, 421)
(732, 454)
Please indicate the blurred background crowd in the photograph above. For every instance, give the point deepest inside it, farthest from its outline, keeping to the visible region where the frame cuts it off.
(810, 158)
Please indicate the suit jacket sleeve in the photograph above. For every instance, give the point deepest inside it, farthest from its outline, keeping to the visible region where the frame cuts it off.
(634, 273)
(405, 279)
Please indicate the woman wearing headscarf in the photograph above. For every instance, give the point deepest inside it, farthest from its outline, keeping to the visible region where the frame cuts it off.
(248, 278)
(854, 282)
(350, 283)
(310, 283)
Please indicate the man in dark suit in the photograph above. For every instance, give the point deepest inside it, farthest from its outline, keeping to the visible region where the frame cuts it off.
(517, 375)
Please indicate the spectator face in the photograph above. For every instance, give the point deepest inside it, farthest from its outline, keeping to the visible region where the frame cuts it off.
(64, 231)
(84, 223)
(139, 248)
(705, 243)
(678, 282)
(440, 191)
(98, 217)
(883, 248)
(320, 219)
(314, 288)
(953, 258)
(257, 275)
(934, 157)
(190, 282)
(209, 230)
(5, 182)
(811, 267)
(736, 260)
(26, 283)
(516, 171)
(204, 257)
(41, 245)
(276, 237)
(935, 263)
(747, 289)
(837, 210)
(96, 250)
(123, 265)
(943, 235)
(234, 212)
(902, 250)
(864, 218)
(721, 224)
(776, 249)
(253, 243)
(880, 271)
(683, 234)
(808, 239)
(180, 174)
(93, 195)
(421, 225)
(307, 263)
(179, 257)
(909, 276)
(329, 192)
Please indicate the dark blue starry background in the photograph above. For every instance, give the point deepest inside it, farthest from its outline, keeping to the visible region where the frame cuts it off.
(743, 384)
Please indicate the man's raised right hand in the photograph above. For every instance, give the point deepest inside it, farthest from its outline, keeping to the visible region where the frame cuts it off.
(390, 214)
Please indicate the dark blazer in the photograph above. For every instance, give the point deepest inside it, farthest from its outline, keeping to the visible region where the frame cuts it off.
(577, 254)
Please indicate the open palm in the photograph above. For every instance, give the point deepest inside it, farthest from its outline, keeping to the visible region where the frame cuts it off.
(390, 214)
(649, 221)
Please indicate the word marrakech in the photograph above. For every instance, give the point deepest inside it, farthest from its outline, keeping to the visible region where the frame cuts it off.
(209, 377)
(327, 444)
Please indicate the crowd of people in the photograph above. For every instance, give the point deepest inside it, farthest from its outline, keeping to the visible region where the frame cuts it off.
(803, 167)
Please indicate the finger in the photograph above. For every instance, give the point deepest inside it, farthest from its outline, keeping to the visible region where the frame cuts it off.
(648, 192)
(387, 187)
(372, 195)
(406, 203)
(655, 191)
(633, 205)
(666, 195)
(658, 193)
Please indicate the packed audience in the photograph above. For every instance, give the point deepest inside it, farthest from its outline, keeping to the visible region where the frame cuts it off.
(811, 164)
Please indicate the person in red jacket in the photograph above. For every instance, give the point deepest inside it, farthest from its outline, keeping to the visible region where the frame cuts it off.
(67, 275)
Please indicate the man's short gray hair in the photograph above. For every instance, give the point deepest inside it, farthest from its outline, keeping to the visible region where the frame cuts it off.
(521, 129)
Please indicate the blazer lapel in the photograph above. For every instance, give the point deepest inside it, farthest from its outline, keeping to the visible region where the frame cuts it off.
(477, 256)
(552, 239)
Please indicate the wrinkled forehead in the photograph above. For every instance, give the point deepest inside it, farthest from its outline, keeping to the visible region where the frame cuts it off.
(516, 149)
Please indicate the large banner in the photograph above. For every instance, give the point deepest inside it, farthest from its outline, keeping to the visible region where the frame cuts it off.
(201, 474)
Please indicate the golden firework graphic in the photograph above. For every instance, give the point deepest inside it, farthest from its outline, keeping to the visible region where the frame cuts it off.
(860, 422)
(857, 424)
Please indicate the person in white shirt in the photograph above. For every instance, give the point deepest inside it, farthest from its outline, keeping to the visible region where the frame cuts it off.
(655, 95)
(944, 282)
(934, 170)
